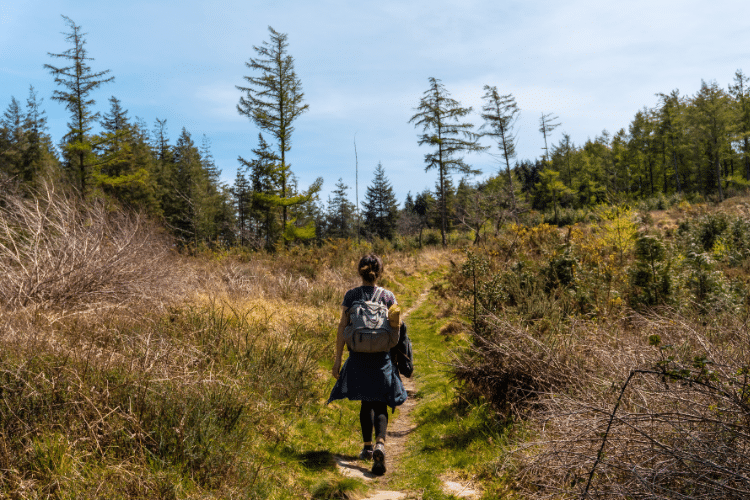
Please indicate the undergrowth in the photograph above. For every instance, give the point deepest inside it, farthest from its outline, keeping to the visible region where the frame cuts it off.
(130, 371)
(624, 357)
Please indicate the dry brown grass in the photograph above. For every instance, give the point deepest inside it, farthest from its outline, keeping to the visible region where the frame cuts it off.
(127, 369)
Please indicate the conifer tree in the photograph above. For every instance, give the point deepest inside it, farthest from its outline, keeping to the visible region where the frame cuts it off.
(115, 148)
(340, 216)
(529, 174)
(163, 168)
(40, 158)
(440, 118)
(78, 82)
(213, 213)
(380, 210)
(740, 91)
(409, 203)
(242, 197)
(13, 140)
(125, 168)
(500, 114)
(671, 133)
(711, 118)
(562, 156)
(547, 123)
(273, 101)
(183, 213)
(264, 182)
(553, 189)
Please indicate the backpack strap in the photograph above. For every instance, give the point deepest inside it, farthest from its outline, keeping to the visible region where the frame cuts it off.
(378, 293)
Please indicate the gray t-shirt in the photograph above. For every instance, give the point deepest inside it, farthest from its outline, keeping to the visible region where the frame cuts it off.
(366, 292)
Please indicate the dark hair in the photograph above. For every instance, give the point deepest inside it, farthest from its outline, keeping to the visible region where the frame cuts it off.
(370, 267)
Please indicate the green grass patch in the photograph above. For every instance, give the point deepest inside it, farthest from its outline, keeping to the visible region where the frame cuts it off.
(454, 438)
(340, 488)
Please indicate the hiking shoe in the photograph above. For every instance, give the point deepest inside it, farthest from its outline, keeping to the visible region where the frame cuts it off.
(378, 455)
(365, 454)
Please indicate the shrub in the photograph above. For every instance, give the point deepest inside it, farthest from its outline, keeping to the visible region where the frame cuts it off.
(672, 423)
(509, 367)
(57, 250)
(651, 283)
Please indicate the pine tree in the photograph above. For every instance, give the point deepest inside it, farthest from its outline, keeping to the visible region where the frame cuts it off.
(740, 91)
(115, 149)
(242, 195)
(125, 168)
(440, 118)
(274, 100)
(529, 174)
(547, 123)
(264, 181)
(163, 168)
(553, 189)
(500, 116)
(409, 203)
(39, 159)
(79, 81)
(211, 200)
(183, 212)
(562, 156)
(340, 216)
(380, 210)
(671, 133)
(13, 141)
(711, 120)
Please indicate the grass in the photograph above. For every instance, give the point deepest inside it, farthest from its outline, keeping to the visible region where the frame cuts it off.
(453, 438)
(209, 378)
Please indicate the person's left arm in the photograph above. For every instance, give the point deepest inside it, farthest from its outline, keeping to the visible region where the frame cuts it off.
(340, 343)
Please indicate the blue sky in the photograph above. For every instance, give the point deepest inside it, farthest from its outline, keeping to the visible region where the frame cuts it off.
(364, 66)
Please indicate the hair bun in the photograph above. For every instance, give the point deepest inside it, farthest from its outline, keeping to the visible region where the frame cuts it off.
(370, 267)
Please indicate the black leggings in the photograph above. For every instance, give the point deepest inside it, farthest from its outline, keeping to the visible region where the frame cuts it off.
(373, 414)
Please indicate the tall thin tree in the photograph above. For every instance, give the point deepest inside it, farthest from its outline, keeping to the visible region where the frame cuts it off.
(380, 207)
(547, 123)
(78, 82)
(440, 118)
(740, 91)
(500, 114)
(273, 100)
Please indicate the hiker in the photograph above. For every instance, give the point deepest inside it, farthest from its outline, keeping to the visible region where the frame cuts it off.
(369, 377)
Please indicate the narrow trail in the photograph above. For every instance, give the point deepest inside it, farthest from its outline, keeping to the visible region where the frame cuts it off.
(399, 430)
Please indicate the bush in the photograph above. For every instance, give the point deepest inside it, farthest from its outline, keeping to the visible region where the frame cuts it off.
(509, 367)
(57, 250)
(673, 425)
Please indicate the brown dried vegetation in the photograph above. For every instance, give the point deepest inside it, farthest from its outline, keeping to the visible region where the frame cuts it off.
(612, 401)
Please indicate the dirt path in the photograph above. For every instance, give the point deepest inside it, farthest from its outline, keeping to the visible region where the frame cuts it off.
(399, 430)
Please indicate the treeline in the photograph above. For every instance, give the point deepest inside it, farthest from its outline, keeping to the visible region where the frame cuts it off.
(691, 145)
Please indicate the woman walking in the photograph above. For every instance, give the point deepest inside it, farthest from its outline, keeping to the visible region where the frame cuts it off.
(369, 377)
